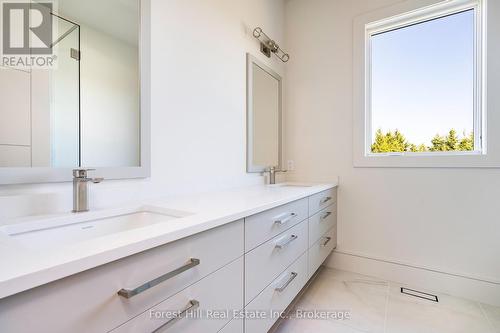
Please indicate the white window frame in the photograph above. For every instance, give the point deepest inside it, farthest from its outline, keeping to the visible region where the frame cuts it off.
(398, 16)
(417, 17)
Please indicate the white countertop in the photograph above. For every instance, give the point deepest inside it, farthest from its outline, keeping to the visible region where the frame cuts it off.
(24, 268)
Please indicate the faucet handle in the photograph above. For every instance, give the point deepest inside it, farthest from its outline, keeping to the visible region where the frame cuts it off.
(81, 173)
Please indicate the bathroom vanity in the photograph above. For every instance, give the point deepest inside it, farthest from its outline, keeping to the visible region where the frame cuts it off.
(220, 262)
(224, 259)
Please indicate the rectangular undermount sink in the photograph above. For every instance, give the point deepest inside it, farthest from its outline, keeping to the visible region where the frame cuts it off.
(291, 185)
(74, 228)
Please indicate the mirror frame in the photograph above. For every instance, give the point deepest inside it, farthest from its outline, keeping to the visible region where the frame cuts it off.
(251, 60)
(54, 175)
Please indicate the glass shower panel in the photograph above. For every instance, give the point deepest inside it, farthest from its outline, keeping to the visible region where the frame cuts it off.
(65, 95)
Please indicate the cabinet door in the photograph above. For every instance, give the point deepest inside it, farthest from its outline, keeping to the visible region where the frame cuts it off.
(276, 297)
(320, 223)
(15, 156)
(322, 200)
(189, 310)
(15, 122)
(89, 301)
(262, 227)
(235, 326)
(266, 262)
(321, 250)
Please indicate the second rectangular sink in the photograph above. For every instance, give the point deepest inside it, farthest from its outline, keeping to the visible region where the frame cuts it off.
(70, 229)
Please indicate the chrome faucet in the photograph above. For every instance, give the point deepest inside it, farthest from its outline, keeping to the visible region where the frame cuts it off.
(272, 174)
(81, 189)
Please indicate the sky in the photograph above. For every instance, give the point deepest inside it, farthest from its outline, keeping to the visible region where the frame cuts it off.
(422, 78)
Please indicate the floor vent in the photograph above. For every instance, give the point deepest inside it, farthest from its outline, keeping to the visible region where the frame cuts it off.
(419, 294)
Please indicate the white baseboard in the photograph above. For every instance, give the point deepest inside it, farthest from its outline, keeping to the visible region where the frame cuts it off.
(439, 282)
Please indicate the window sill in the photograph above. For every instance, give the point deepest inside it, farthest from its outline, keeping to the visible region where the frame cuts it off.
(427, 160)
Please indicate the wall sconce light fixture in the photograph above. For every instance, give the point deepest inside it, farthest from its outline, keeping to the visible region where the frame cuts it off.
(268, 46)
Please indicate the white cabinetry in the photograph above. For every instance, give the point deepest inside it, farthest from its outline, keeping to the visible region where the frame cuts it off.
(89, 301)
(276, 297)
(322, 228)
(262, 227)
(322, 200)
(213, 281)
(15, 124)
(304, 242)
(15, 156)
(265, 263)
(221, 290)
(320, 250)
(234, 326)
(321, 223)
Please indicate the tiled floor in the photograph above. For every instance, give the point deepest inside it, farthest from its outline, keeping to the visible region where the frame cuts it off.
(377, 306)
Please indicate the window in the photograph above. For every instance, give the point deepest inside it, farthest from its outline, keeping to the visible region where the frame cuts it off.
(423, 87)
(420, 87)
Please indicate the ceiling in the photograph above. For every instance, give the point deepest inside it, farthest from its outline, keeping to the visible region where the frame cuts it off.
(118, 18)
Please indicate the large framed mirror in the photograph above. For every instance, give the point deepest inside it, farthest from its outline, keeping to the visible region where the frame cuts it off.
(83, 101)
(264, 117)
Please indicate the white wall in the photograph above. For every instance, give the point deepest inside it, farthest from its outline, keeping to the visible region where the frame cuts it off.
(438, 219)
(198, 105)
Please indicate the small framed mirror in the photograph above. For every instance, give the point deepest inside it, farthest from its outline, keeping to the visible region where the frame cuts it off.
(78, 94)
(264, 117)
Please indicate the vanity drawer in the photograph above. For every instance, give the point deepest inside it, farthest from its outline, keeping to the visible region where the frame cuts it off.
(275, 300)
(321, 250)
(262, 227)
(89, 301)
(221, 291)
(235, 326)
(266, 262)
(320, 223)
(322, 200)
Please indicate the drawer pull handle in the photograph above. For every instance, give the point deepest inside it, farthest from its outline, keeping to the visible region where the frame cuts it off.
(285, 220)
(328, 239)
(128, 293)
(293, 275)
(326, 215)
(325, 200)
(288, 241)
(192, 305)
